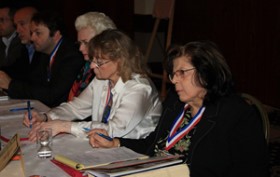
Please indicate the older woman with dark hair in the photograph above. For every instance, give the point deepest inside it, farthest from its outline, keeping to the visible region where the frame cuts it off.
(216, 131)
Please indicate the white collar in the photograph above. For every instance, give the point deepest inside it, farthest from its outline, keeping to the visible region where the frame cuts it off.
(7, 41)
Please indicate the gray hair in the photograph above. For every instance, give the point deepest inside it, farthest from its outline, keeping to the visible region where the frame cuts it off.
(95, 20)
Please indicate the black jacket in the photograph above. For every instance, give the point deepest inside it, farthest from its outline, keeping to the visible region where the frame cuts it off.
(228, 142)
(67, 64)
(15, 64)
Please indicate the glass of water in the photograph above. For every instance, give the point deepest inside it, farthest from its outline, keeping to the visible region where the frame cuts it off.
(44, 141)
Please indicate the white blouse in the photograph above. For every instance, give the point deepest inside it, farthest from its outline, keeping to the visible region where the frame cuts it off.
(134, 113)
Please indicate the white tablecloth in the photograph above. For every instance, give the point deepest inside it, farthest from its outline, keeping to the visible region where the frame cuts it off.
(62, 144)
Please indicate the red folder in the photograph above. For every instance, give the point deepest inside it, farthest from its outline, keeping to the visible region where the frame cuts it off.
(72, 172)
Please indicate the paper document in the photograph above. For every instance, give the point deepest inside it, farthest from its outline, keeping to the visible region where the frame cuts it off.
(98, 157)
(151, 163)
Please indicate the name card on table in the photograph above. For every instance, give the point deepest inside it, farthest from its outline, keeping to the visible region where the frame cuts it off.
(9, 151)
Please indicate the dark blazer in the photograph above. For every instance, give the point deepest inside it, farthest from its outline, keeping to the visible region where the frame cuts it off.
(67, 64)
(228, 142)
(16, 62)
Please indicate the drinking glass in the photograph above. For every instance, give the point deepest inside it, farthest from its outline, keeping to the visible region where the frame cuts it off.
(44, 142)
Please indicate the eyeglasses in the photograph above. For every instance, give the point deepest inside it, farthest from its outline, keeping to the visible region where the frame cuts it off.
(98, 64)
(179, 73)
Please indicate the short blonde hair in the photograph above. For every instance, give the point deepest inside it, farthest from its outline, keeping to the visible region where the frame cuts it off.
(95, 20)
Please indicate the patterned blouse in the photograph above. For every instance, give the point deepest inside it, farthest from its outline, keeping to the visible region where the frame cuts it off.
(182, 146)
(83, 79)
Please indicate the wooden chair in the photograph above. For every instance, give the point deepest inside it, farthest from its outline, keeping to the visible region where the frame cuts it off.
(264, 115)
(163, 9)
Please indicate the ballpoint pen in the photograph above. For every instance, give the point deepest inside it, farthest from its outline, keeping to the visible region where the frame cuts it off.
(86, 129)
(29, 114)
(100, 134)
(104, 136)
(19, 109)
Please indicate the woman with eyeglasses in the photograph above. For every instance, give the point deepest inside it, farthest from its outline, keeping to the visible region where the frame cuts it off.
(121, 99)
(216, 131)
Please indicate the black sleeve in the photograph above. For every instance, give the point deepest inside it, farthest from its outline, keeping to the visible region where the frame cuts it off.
(64, 71)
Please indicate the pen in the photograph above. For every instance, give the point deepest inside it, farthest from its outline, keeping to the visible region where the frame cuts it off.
(29, 114)
(104, 136)
(19, 109)
(100, 134)
(86, 129)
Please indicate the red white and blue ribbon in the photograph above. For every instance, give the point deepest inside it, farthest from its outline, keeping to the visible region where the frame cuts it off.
(52, 57)
(175, 135)
(107, 109)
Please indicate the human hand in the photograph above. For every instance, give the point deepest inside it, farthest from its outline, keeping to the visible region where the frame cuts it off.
(96, 140)
(36, 117)
(57, 127)
(4, 80)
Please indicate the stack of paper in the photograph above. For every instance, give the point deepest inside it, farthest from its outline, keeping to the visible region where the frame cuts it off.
(114, 162)
(135, 166)
(98, 157)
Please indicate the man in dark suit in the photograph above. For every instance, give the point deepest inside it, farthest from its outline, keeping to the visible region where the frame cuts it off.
(51, 80)
(13, 55)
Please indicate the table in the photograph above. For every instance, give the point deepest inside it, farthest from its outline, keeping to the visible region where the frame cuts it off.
(63, 143)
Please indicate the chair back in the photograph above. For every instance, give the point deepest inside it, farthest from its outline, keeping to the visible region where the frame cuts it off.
(263, 113)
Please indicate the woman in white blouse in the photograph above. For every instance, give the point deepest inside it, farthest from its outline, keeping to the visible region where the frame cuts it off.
(135, 104)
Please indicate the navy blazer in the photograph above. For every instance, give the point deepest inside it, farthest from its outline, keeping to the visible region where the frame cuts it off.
(65, 68)
(228, 142)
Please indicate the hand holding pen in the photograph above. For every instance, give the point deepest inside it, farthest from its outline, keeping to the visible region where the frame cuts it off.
(100, 138)
(31, 117)
(99, 134)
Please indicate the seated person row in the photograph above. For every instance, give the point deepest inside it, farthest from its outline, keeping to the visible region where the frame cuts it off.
(133, 108)
(216, 131)
(22, 21)
(52, 78)
(87, 26)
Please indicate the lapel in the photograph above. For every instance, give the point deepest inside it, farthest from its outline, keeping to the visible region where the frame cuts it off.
(171, 111)
(206, 124)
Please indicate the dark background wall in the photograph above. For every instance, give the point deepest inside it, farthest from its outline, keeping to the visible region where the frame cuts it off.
(247, 31)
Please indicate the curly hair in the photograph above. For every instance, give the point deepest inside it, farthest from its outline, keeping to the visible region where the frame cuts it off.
(95, 20)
